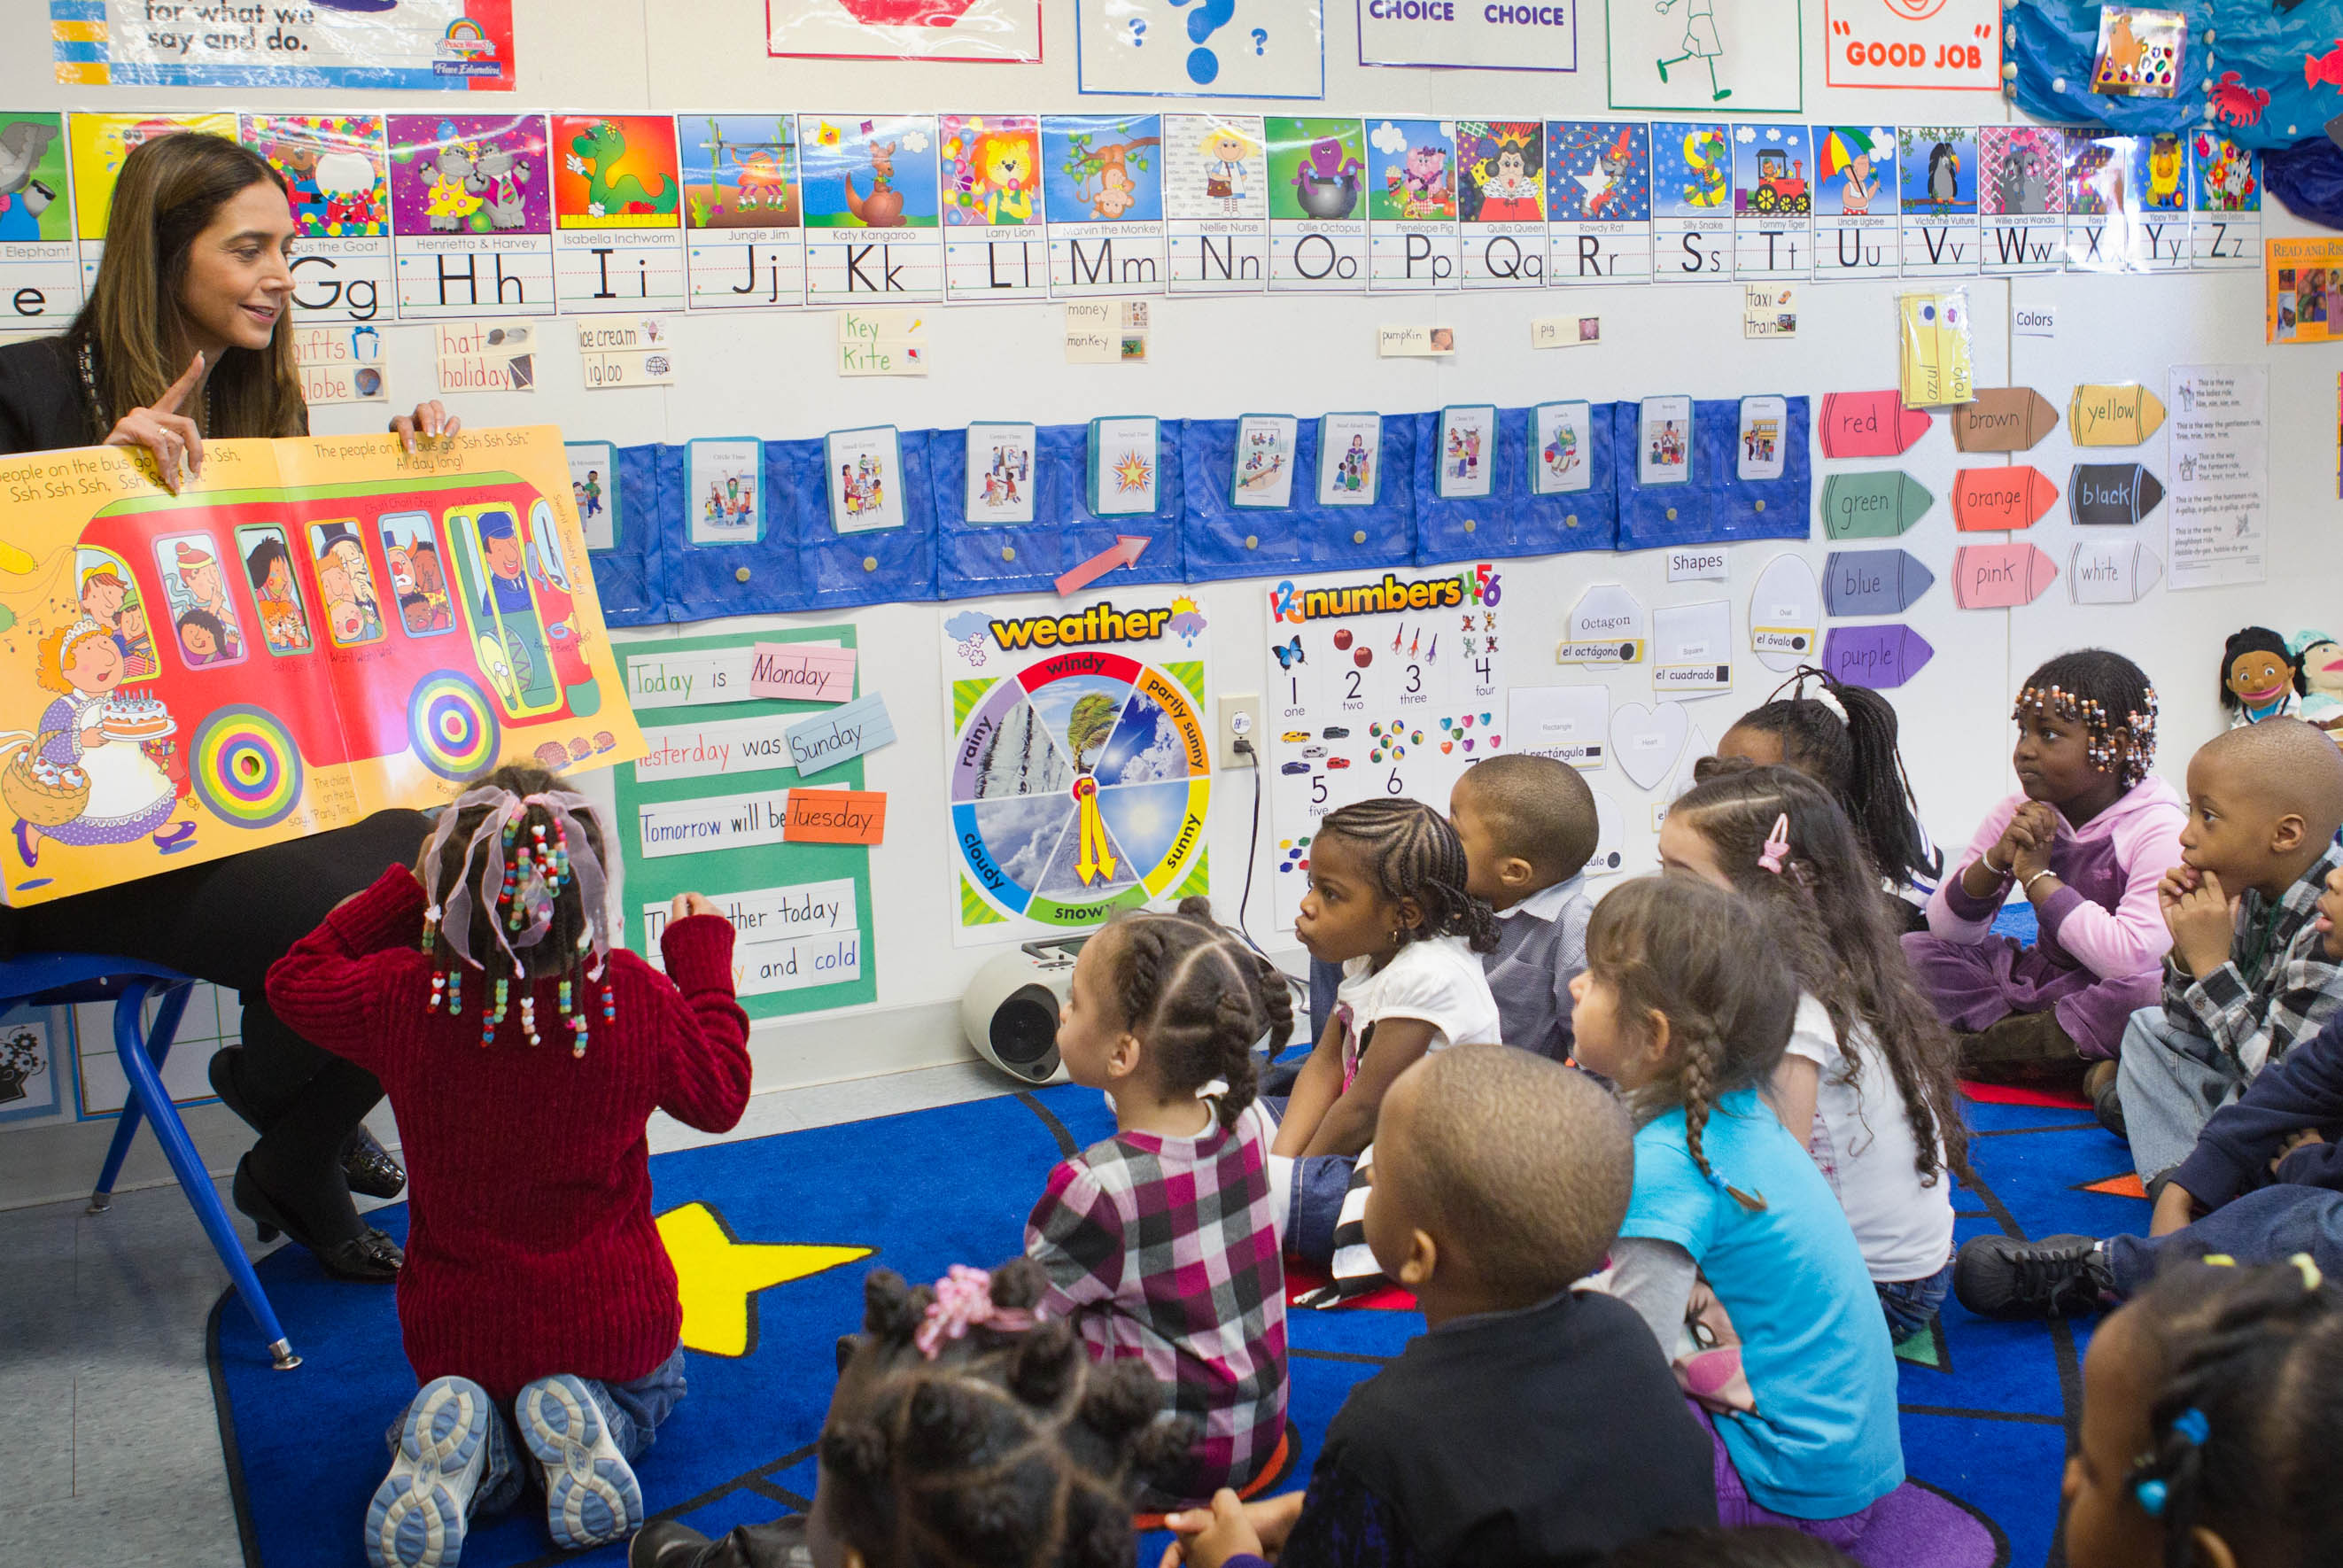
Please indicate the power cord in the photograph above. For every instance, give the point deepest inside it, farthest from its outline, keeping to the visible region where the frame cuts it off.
(1244, 748)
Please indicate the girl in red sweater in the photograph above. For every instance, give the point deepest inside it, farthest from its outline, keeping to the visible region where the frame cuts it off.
(523, 1055)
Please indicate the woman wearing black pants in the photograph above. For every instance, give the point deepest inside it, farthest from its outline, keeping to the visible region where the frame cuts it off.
(177, 343)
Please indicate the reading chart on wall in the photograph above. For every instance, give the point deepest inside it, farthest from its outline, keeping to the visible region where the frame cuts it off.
(1389, 686)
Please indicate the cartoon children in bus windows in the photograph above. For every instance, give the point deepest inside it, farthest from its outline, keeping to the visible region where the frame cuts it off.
(95, 742)
(508, 606)
(201, 639)
(269, 567)
(418, 580)
(346, 584)
(192, 581)
(109, 599)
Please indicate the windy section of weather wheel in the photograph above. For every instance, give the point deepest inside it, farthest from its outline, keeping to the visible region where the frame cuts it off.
(1079, 784)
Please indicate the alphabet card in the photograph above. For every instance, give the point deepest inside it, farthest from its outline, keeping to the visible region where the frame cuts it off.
(335, 170)
(1854, 199)
(1764, 449)
(1125, 463)
(2224, 202)
(999, 474)
(617, 199)
(1937, 188)
(1102, 177)
(39, 275)
(1216, 202)
(1350, 458)
(1773, 202)
(1262, 474)
(1562, 446)
(1411, 180)
(1663, 441)
(1317, 229)
(1692, 203)
(865, 473)
(723, 490)
(472, 211)
(743, 211)
(872, 215)
(996, 245)
(1503, 202)
(594, 485)
(1468, 451)
(1598, 201)
(2021, 198)
(100, 142)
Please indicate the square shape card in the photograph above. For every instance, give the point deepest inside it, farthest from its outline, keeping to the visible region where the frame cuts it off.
(1263, 473)
(1562, 449)
(1663, 442)
(865, 472)
(1350, 458)
(724, 489)
(1764, 427)
(1468, 451)
(1125, 466)
(594, 485)
(999, 474)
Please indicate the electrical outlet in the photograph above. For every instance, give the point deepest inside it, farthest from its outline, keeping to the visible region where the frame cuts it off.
(1241, 716)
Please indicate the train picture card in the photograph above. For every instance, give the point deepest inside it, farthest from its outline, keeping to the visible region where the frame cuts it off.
(1262, 476)
(1598, 202)
(1317, 205)
(618, 202)
(1937, 194)
(337, 173)
(594, 490)
(1854, 202)
(40, 276)
(724, 490)
(471, 212)
(996, 243)
(1216, 203)
(1691, 202)
(1468, 451)
(999, 474)
(1562, 449)
(1412, 181)
(873, 220)
(743, 211)
(1663, 441)
(1773, 202)
(864, 470)
(1126, 463)
(1103, 181)
(1350, 458)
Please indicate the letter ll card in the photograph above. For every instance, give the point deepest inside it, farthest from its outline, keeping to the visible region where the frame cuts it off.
(1261, 474)
(866, 474)
(1765, 423)
(1664, 447)
(1468, 450)
(1124, 464)
(999, 474)
(1562, 449)
(724, 490)
(1350, 458)
(594, 485)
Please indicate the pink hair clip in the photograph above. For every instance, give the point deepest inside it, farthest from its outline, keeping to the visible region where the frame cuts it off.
(964, 1302)
(1777, 845)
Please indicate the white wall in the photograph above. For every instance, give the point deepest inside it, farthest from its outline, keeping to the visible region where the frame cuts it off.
(766, 375)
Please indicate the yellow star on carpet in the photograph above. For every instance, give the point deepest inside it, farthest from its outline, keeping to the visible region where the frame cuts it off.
(718, 1277)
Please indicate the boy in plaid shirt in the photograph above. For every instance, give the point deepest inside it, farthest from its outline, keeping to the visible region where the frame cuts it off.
(1161, 1243)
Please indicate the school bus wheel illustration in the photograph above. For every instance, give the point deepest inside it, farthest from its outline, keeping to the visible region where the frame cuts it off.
(245, 767)
(451, 725)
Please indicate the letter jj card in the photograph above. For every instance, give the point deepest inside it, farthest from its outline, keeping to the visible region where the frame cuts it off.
(866, 472)
(1663, 444)
(999, 474)
(1468, 450)
(1765, 425)
(1350, 458)
(1562, 449)
(1263, 475)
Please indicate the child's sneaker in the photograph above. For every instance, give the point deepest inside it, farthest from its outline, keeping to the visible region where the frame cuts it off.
(2057, 1277)
(418, 1516)
(591, 1497)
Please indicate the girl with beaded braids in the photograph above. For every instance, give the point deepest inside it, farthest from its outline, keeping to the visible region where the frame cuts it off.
(2087, 840)
(1161, 1243)
(524, 1054)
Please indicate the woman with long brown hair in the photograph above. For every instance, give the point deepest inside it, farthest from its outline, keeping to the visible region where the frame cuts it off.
(183, 340)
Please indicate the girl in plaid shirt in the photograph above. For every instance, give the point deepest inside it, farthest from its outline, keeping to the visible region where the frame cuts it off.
(1160, 1242)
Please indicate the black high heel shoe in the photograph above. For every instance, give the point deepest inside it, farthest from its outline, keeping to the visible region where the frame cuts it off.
(366, 1165)
(367, 1258)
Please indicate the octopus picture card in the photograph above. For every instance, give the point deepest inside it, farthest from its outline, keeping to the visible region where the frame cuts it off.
(1126, 463)
(2001, 500)
(2121, 572)
(2003, 419)
(2000, 577)
(1875, 506)
(1870, 425)
(1882, 657)
(1261, 474)
(998, 480)
(1873, 582)
(1663, 441)
(1468, 451)
(723, 490)
(1350, 458)
(865, 473)
(1562, 445)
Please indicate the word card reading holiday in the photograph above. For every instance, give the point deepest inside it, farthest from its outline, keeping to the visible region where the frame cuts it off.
(802, 673)
(847, 731)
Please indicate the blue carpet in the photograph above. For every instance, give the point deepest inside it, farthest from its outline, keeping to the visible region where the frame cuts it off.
(1987, 1406)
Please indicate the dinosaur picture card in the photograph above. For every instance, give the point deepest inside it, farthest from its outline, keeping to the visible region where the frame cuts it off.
(618, 202)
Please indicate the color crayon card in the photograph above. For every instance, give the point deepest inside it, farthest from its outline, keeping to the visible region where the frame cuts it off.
(743, 211)
(996, 249)
(1598, 201)
(471, 216)
(873, 214)
(1216, 203)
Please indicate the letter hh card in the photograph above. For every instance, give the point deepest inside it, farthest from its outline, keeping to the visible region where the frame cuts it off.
(618, 198)
(873, 231)
(743, 211)
(472, 216)
(846, 731)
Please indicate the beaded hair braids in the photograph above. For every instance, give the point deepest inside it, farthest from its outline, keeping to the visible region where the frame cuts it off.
(1413, 852)
(2109, 697)
(966, 1433)
(522, 859)
(1198, 999)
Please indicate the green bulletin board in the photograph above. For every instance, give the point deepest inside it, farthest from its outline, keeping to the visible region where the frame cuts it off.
(707, 781)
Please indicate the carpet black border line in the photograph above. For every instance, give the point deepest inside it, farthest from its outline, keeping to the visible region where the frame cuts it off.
(2069, 1364)
(2019, 1132)
(780, 1495)
(1360, 1357)
(1067, 1147)
(747, 1478)
(231, 1456)
(1960, 1413)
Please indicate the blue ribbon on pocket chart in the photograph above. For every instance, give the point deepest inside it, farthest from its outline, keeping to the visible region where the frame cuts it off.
(845, 732)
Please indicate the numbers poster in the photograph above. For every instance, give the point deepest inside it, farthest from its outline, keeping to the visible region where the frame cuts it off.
(317, 629)
(1379, 686)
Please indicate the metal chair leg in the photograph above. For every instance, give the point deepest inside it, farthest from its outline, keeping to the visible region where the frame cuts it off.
(125, 1128)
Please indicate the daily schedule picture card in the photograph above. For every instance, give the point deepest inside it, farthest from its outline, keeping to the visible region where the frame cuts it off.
(1664, 448)
(1350, 458)
(1763, 424)
(1468, 446)
(1124, 466)
(1562, 445)
(594, 485)
(723, 487)
(999, 474)
(865, 470)
(1263, 472)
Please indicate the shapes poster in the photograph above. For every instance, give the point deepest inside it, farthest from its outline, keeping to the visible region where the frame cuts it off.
(1261, 49)
(1701, 56)
(873, 214)
(1386, 685)
(1949, 45)
(1854, 202)
(1501, 201)
(1081, 767)
(1598, 201)
(471, 208)
(1691, 202)
(1317, 218)
(1412, 183)
(743, 211)
(989, 31)
(176, 665)
(1216, 199)
(1936, 189)
(40, 277)
(1102, 182)
(1773, 202)
(618, 195)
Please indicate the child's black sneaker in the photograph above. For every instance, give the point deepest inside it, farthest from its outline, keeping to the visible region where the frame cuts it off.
(2056, 1277)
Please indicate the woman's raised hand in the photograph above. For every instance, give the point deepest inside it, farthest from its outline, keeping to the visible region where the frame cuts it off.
(430, 420)
(170, 436)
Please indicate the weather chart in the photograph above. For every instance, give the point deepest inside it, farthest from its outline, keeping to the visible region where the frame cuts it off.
(1391, 685)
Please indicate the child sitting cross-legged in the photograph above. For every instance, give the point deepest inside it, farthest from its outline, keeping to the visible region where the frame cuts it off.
(523, 1054)
(1528, 828)
(1160, 1242)
(1530, 1425)
(2239, 988)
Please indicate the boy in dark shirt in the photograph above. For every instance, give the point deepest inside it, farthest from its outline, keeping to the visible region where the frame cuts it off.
(1530, 1424)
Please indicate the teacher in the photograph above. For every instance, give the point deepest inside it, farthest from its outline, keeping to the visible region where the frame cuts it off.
(180, 343)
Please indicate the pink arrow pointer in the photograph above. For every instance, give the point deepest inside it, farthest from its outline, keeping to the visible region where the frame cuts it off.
(1127, 550)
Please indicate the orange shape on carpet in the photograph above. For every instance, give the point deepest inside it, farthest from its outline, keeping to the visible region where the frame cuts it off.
(2127, 1185)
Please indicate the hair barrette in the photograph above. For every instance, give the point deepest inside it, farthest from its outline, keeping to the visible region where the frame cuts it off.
(1777, 845)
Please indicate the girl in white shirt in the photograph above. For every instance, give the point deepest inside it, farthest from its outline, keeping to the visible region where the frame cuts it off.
(1868, 1084)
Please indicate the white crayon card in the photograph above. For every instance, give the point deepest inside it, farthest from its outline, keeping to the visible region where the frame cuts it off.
(1261, 474)
(594, 485)
(724, 493)
(1764, 447)
(1350, 458)
(1125, 464)
(1663, 441)
(1561, 447)
(999, 474)
(866, 479)
(1468, 449)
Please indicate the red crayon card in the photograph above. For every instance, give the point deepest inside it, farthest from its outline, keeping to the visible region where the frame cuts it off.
(2000, 577)
(1870, 425)
(1997, 501)
(836, 816)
